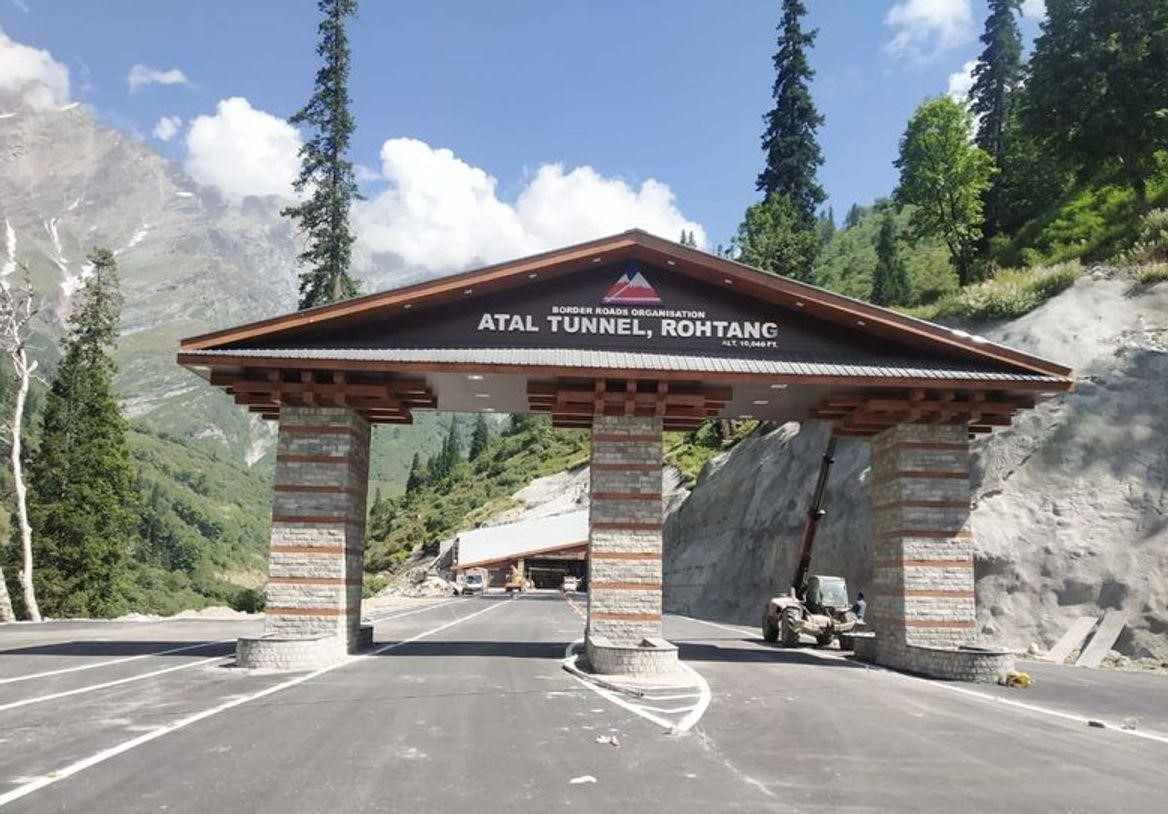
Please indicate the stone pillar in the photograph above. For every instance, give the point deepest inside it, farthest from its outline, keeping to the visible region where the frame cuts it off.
(923, 586)
(624, 547)
(313, 611)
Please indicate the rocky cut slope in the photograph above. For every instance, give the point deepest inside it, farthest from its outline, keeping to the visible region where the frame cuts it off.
(1071, 513)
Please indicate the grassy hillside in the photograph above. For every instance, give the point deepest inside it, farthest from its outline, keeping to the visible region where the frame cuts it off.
(846, 262)
(202, 526)
(420, 520)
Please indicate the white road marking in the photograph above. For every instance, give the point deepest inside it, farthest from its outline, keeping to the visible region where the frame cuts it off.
(104, 755)
(111, 662)
(1069, 716)
(970, 692)
(24, 702)
(390, 615)
(644, 710)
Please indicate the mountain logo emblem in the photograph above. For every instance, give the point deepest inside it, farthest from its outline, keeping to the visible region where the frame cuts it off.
(631, 289)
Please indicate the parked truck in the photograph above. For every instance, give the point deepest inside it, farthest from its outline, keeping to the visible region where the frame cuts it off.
(817, 605)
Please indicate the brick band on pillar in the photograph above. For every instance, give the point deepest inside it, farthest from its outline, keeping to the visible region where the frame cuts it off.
(625, 520)
(318, 524)
(923, 581)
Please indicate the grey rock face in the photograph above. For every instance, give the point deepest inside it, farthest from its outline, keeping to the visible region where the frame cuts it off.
(1071, 506)
(189, 263)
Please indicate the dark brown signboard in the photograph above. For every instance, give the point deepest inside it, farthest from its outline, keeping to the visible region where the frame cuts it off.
(626, 307)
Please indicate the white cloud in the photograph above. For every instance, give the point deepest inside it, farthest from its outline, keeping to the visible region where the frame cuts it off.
(961, 82)
(241, 151)
(1034, 9)
(925, 28)
(32, 75)
(167, 128)
(441, 215)
(142, 75)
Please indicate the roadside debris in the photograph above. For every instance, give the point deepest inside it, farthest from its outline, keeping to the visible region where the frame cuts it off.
(1016, 679)
(612, 740)
(584, 778)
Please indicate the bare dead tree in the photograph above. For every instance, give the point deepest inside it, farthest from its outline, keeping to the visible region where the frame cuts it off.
(18, 308)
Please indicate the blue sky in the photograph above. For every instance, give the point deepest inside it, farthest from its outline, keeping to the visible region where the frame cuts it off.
(672, 91)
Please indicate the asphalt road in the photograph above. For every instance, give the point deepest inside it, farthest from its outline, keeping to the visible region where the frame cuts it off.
(467, 707)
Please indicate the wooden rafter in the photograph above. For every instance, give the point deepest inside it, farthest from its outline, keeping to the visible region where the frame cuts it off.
(380, 399)
(870, 412)
(680, 405)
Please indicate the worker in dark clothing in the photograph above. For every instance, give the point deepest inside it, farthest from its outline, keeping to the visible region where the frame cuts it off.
(859, 606)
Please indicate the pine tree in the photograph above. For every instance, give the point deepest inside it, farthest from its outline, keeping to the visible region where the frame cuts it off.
(1098, 87)
(479, 438)
(323, 217)
(688, 239)
(82, 482)
(997, 75)
(417, 476)
(890, 279)
(855, 212)
(996, 79)
(451, 453)
(792, 151)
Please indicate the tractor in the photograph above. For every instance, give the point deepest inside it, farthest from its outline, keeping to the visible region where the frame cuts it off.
(817, 605)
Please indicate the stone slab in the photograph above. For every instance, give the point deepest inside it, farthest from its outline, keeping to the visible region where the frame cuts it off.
(1071, 641)
(1109, 630)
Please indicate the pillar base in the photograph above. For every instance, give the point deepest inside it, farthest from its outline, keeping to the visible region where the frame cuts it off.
(968, 663)
(298, 653)
(650, 657)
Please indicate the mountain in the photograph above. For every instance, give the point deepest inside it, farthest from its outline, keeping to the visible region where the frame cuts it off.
(190, 262)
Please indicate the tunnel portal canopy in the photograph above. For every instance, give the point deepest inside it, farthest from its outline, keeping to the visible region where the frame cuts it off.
(626, 325)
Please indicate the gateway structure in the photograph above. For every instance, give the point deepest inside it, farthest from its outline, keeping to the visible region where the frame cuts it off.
(627, 336)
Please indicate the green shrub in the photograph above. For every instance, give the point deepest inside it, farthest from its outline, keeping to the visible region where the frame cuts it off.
(373, 584)
(1153, 274)
(1009, 294)
(1152, 243)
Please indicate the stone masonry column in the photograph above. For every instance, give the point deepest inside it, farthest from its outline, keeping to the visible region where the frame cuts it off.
(624, 546)
(923, 585)
(313, 612)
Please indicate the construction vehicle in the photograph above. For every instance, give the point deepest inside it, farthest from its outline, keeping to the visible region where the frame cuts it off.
(817, 605)
(515, 580)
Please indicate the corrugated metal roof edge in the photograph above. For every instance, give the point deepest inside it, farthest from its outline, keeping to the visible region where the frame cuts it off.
(638, 360)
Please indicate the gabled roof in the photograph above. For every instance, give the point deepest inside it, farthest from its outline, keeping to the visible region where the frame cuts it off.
(281, 332)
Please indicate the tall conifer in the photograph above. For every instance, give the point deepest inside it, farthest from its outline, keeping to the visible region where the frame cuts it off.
(890, 279)
(997, 75)
(996, 78)
(792, 151)
(81, 478)
(325, 173)
(479, 438)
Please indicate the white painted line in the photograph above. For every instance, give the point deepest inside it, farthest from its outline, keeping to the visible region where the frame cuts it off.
(827, 655)
(698, 711)
(390, 615)
(643, 710)
(667, 710)
(81, 765)
(1068, 716)
(945, 685)
(739, 631)
(677, 697)
(111, 662)
(24, 702)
